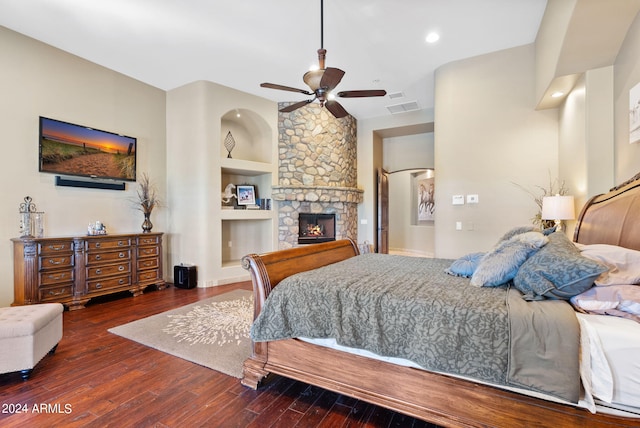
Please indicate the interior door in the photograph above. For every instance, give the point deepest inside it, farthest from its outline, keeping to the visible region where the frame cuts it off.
(382, 244)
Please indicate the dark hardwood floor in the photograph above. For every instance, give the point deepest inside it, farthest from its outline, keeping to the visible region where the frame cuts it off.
(98, 379)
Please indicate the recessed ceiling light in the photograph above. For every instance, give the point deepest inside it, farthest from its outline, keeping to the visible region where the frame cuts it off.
(557, 94)
(432, 37)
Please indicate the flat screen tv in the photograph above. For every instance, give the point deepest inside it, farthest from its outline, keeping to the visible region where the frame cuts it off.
(81, 151)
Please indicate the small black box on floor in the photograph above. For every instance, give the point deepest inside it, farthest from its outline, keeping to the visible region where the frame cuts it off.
(185, 276)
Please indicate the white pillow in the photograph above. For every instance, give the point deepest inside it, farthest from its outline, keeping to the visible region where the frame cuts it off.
(611, 300)
(623, 263)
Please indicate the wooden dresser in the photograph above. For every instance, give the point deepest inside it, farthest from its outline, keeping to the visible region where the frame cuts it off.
(72, 270)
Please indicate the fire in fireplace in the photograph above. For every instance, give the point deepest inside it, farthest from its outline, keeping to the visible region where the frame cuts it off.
(314, 228)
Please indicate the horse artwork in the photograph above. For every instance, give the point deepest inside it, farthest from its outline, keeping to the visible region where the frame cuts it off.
(426, 201)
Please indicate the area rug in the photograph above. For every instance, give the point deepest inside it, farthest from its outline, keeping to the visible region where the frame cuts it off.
(213, 332)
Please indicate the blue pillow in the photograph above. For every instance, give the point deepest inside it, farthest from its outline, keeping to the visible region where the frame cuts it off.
(465, 265)
(557, 271)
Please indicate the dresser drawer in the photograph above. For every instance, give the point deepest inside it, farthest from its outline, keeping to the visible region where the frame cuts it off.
(148, 240)
(149, 275)
(108, 256)
(55, 261)
(55, 247)
(109, 283)
(52, 294)
(107, 244)
(109, 270)
(51, 277)
(148, 251)
(148, 263)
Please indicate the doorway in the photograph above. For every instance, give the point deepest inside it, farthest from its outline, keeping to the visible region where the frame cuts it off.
(405, 161)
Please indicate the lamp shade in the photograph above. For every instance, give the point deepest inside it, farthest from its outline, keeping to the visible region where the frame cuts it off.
(558, 208)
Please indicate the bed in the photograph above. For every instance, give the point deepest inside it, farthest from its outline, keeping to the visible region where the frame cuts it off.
(435, 395)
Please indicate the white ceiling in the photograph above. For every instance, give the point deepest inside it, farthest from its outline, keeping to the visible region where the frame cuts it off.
(242, 43)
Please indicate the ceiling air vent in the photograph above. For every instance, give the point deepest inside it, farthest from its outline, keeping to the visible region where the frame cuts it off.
(395, 95)
(403, 107)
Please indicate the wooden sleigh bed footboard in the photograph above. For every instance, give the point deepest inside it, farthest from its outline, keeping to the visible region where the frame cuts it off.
(436, 398)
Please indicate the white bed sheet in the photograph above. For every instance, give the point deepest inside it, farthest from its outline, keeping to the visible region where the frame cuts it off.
(615, 359)
(610, 366)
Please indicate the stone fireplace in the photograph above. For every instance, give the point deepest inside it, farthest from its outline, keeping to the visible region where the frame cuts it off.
(317, 172)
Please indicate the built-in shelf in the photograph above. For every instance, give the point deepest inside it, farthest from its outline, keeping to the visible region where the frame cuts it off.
(246, 214)
(244, 167)
(246, 231)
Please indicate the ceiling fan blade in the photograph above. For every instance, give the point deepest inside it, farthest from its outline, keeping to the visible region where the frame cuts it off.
(364, 93)
(295, 106)
(336, 109)
(285, 88)
(331, 78)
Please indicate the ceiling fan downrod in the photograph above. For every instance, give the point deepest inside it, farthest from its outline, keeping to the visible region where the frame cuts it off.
(322, 52)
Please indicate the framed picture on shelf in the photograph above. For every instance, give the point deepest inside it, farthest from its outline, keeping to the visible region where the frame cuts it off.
(246, 195)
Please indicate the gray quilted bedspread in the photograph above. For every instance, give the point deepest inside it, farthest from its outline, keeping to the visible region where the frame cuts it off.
(405, 307)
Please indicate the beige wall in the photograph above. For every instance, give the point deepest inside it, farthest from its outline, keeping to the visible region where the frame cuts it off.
(595, 153)
(488, 137)
(38, 80)
(626, 76)
(585, 151)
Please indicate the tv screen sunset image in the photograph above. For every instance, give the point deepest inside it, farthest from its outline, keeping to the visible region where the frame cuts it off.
(71, 149)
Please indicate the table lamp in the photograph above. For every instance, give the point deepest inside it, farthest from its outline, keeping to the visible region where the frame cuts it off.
(558, 208)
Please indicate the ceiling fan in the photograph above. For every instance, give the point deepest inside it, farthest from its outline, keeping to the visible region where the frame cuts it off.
(322, 81)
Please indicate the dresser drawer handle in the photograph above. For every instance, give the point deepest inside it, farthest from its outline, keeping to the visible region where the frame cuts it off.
(53, 262)
(120, 268)
(122, 255)
(98, 271)
(56, 247)
(147, 264)
(98, 257)
(57, 277)
(121, 282)
(97, 245)
(120, 243)
(53, 293)
(149, 251)
(98, 286)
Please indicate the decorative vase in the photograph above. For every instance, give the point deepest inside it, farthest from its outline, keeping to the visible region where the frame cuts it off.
(229, 143)
(146, 224)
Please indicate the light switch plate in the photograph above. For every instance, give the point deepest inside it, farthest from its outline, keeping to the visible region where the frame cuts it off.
(458, 200)
(472, 199)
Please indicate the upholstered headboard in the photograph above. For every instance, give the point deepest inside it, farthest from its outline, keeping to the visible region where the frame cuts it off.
(612, 218)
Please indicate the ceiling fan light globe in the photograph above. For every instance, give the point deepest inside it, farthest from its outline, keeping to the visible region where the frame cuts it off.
(312, 78)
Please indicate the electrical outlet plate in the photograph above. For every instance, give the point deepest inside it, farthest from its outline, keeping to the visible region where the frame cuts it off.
(472, 199)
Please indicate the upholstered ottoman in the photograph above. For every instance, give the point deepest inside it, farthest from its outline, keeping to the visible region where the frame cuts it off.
(27, 334)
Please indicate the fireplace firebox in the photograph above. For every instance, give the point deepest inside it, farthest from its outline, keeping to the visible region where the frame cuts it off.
(315, 228)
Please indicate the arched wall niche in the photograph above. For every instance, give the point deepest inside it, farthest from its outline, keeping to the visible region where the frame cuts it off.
(251, 133)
